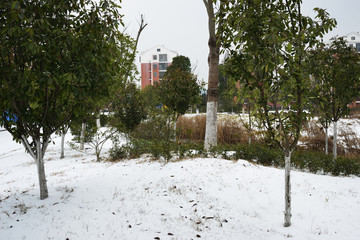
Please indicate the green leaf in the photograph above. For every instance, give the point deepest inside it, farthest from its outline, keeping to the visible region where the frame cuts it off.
(15, 5)
(34, 105)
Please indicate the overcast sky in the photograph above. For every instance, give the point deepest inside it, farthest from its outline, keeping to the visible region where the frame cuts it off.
(181, 25)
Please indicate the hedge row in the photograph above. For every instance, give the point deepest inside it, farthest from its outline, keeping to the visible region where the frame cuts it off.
(314, 162)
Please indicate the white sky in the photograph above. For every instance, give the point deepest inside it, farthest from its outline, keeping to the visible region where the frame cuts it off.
(181, 25)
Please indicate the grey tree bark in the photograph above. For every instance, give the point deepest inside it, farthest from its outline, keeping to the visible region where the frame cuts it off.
(335, 140)
(212, 93)
(287, 213)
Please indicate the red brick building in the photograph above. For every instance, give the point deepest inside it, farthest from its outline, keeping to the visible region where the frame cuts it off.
(154, 63)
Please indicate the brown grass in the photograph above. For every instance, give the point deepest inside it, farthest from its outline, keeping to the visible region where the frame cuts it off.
(314, 138)
(230, 130)
(191, 128)
(350, 143)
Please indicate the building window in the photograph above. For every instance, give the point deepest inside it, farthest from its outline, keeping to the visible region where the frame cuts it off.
(358, 47)
(162, 66)
(155, 74)
(352, 38)
(154, 57)
(351, 45)
(158, 49)
(161, 75)
(155, 66)
(163, 57)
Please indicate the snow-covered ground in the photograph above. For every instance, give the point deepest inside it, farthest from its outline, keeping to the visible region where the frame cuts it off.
(189, 199)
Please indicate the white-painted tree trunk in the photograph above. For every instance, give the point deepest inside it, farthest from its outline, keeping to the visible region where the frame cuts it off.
(38, 156)
(82, 136)
(335, 141)
(287, 213)
(62, 154)
(326, 141)
(175, 130)
(211, 125)
(249, 126)
(98, 123)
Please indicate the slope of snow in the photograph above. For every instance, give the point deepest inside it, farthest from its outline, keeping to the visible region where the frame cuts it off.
(189, 199)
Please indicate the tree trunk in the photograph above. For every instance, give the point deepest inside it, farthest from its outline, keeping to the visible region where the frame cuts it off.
(82, 136)
(175, 122)
(98, 123)
(211, 125)
(62, 154)
(335, 141)
(326, 141)
(38, 155)
(41, 170)
(287, 217)
(249, 124)
(212, 93)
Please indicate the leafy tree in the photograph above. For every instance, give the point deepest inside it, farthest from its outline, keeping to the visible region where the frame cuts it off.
(54, 56)
(268, 41)
(336, 72)
(228, 93)
(151, 99)
(180, 62)
(178, 91)
(128, 107)
(179, 88)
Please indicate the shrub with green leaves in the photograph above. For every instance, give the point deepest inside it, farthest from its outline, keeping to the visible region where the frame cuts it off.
(90, 129)
(313, 161)
(346, 166)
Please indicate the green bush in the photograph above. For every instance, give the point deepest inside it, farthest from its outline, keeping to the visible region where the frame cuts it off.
(131, 150)
(156, 127)
(156, 149)
(244, 151)
(313, 161)
(268, 156)
(262, 154)
(346, 166)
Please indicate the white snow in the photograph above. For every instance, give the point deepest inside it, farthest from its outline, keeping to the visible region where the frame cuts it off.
(190, 199)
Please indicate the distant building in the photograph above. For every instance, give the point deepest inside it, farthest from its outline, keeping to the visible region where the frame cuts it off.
(353, 40)
(154, 63)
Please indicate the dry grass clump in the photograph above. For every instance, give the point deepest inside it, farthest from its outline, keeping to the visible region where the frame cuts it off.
(350, 143)
(191, 128)
(230, 130)
(314, 138)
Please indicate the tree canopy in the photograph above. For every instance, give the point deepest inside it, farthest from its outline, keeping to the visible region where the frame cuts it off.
(335, 71)
(179, 88)
(55, 56)
(268, 43)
